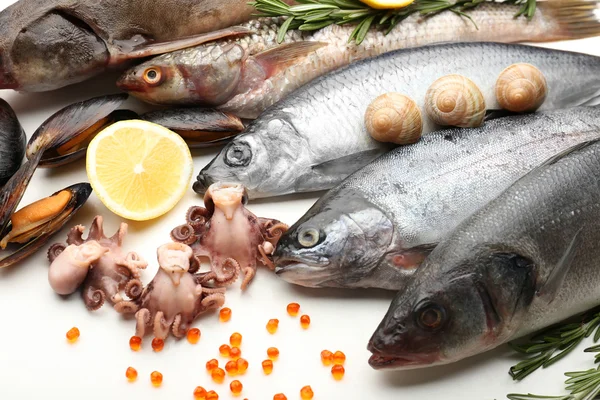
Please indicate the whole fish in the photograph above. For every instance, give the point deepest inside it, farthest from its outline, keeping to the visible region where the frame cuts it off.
(525, 261)
(246, 75)
(316, 136)
(378, 225)
(47, 44)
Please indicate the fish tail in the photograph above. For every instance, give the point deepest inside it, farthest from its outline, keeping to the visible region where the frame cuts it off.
(573, 19)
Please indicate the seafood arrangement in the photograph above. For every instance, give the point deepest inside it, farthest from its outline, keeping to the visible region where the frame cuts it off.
(458, 167)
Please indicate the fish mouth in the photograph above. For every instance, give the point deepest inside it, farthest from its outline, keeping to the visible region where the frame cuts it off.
(128, 84)
(302, 273)
(202, 183)
(406, 361)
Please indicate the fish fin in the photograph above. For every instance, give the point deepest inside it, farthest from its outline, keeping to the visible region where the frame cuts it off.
(559, 272)
(575, 19)
(122, 51)
(281, 57)
(410, 259)
(345, 165)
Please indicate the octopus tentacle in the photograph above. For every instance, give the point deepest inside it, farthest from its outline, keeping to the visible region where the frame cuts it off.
(213, 301)
(249, 273)
(118, 237)
(179, 329)
(209, 291)
(229, 272)
(126, 307)
(75, 235)
(143, 319)
(184, 234)
(194, 265)
(197, 217)
(134, 288)
(55, 250)
(132, 263)
(161, 327)
(96, 230)
(136, 260)
(93, 298)
(274, 233)
(265, 249)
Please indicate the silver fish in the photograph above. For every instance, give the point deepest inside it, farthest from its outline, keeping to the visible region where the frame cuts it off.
(376, 228)
(246, 75)
(316, 137)
(525, 261)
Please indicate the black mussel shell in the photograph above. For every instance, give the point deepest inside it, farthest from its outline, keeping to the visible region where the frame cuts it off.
(12, 142)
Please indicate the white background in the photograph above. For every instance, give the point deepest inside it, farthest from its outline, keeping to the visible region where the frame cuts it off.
(36, 362)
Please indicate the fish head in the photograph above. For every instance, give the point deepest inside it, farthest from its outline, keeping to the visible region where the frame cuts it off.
(267, 160)
(44, 49)
(337, 243)
(209, 76)
(453, 308)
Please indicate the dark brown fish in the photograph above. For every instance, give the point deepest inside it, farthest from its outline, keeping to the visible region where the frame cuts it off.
(48, 44)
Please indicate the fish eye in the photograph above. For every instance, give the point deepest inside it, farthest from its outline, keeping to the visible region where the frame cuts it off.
(308, 237)
(238, 155)
(152, 76)
(430, 316)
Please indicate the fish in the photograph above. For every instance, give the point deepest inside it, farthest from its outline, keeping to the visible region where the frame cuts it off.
(526, 260)
(316, 137)
(247, 74)
(375, 229)
(49, 44)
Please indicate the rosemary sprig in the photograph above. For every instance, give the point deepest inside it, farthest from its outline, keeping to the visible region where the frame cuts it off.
(311, 15)
(553, 344)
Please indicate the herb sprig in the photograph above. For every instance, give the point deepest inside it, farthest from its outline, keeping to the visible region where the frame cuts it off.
(311, 15)
(553, 344)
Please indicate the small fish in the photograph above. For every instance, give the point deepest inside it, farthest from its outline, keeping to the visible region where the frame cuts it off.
(316, 136)
(246, 75)
(525, 261)
(48, 44)
(376, 227)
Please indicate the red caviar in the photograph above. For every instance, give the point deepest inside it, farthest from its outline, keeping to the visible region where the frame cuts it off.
(306, 393)
(225, 314)
(338, 372)
(218, 375)
(193, 335)
(235, 339)
(305, 321)
(200, 393)
(273, 353)
(158, 344)
(156, 378)
(131, 374)
(212, 395)
(135, 343)
(212, 364)
(326, 357)
(267, 366)
(224, 350)
(339, 358)
(293, 309)
(236, 387)
(73, 334)
(231, 367)
(279, 396)
(235, 353)
(272, 325)
(242, 366)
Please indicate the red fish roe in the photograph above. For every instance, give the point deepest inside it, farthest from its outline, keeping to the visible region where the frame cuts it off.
(305, 321)
(224, 350)
(212, 364)
(158, 344)
(225, 314)
(231, 367)
(242, 366)
(156, 378)
(273, 353)
(131, 374)
(73, 334)
(212, 395)
(279, 396)
(339, 358)
(326, 357)
(293, 309)
(200, 393)
(272, 325)
(135, 343)
(236, 387)
(193, 335)
(235, 353)
(218, 375)
(235, 340)
(306, 393)
(267, 366)
(338, 372)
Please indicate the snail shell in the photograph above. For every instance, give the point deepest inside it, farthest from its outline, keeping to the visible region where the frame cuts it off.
(394, 117)
(454, 100)
(521, 88)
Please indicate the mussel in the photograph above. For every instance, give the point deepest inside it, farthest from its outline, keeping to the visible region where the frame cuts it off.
(31, 227)
(65, 135)
(12, 143)
(199, 127)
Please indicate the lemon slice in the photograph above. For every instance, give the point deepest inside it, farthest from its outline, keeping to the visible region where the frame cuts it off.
(387, 4)
(139, 170)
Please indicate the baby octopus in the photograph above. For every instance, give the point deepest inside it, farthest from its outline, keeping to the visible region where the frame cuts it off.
(173, 299)
(97, 264)
(229, 235)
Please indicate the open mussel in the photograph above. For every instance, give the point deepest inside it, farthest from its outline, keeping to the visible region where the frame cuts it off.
(199, 127)
(65, 136)
(12, 143)
(32, 226)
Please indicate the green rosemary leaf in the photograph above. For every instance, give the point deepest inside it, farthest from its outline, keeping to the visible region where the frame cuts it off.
(283, 29)
(318, 16)
(514, 396)
(562, 354)
(303, 8)
(313, 26)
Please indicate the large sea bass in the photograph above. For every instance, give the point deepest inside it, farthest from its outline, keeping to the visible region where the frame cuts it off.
(316, 137)
(47, 44)
(525, 261)
(378, 225)
(248, 74)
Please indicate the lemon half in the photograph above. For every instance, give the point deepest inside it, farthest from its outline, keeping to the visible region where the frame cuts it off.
(138, 169)
(387, 4)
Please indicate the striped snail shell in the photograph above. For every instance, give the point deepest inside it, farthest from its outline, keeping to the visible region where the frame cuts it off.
(521, 88)
(454, 100)
(394, 117)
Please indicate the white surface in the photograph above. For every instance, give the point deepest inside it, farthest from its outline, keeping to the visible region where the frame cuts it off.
(37, 362)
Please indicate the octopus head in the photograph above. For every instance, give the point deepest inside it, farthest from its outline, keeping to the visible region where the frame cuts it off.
(174, 260)
(226, 197)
